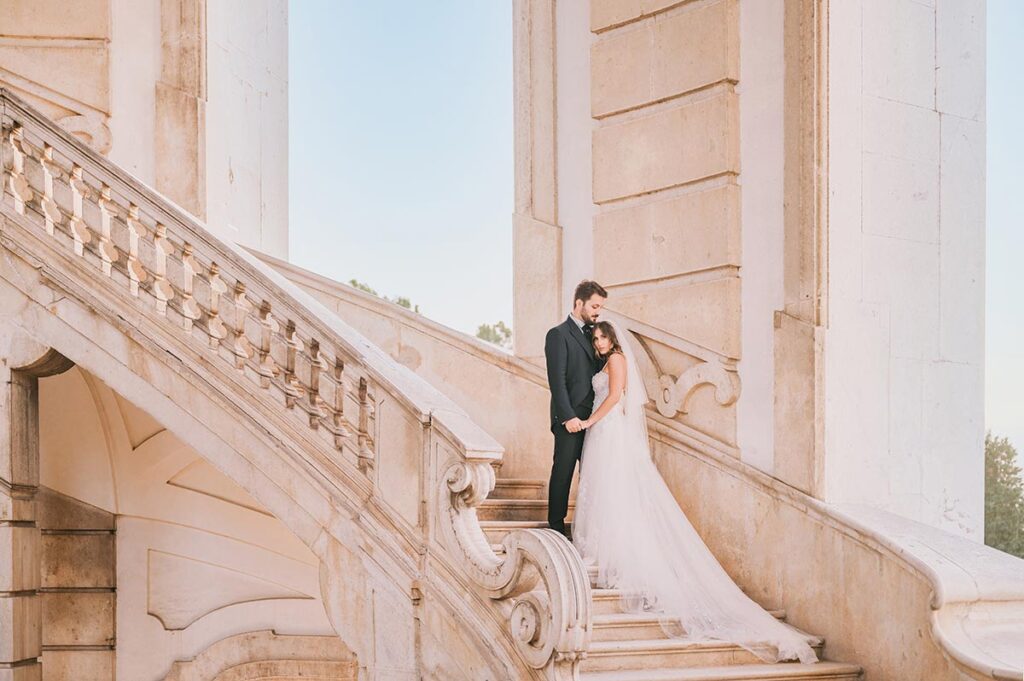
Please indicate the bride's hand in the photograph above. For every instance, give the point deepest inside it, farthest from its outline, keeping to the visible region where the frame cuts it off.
(587, 424)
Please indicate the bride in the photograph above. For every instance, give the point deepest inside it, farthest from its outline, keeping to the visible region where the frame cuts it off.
(628, 524)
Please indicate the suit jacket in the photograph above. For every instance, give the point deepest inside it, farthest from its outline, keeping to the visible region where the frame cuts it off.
(571, 364)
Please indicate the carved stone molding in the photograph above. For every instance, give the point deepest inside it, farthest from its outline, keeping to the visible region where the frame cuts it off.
(550, 619)
(256, 654)
(672, 393)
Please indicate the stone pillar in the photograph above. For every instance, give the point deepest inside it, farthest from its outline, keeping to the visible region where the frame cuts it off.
(537, 236)
(797, 441)
(21, 367)
(181, 105)
(903, 313)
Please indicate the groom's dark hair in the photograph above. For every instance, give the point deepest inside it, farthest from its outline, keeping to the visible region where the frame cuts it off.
(586, 289)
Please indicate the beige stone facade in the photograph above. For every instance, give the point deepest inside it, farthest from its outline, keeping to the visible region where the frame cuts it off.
(188, 95)
(215, 466)
(747, 180)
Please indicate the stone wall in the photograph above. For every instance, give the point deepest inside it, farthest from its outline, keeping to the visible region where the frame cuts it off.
(190, 96)
(751, 183)
(78, 586)
(904, 353)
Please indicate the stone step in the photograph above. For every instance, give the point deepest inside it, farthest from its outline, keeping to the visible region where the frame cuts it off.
(520, 488)
(609, 601)
(832, 671)
(626, 626)
(516, 509)
(495, 530)
(667, 653)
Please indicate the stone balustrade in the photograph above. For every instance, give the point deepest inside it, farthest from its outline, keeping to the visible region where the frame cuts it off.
(90, 225)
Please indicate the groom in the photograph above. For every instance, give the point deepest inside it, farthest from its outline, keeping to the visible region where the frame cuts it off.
(571, 364)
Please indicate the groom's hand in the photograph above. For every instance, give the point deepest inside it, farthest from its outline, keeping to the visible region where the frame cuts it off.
(574, 425)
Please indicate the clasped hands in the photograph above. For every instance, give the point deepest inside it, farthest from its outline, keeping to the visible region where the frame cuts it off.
(575, 425)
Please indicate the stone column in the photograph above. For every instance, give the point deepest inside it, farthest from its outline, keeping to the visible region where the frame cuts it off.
(21, 366)
(181, 105)
(537, 236)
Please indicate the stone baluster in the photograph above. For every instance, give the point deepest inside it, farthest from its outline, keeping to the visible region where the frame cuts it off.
(79, 190)
(268, 327)
(136, 271)
(106, 248)
(17, 182)
(365, 412)
(293, 345)
(51, 212)
(215, 325)
(241, 348)
(316, 367)
(337, 426)
(163, 291)
(190, 310)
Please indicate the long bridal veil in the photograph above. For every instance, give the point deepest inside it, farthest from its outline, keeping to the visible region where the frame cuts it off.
(629, 525)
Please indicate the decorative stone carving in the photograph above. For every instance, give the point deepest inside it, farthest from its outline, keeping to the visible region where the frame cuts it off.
(671, 394)
(207, 588)
(262, 654)
(551, 620)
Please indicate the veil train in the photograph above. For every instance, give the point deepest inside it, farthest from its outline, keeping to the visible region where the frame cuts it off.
(629, 525)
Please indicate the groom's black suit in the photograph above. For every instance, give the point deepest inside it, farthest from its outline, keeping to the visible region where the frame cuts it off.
(571, 367)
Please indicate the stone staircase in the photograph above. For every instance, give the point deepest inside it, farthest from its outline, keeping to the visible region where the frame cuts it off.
(632, 646)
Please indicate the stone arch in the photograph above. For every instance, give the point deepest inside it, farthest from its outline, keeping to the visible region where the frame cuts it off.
(236, 444)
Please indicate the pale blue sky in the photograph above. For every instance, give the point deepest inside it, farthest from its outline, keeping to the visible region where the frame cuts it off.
(401, 150)
(1004, 341)
(401, 164)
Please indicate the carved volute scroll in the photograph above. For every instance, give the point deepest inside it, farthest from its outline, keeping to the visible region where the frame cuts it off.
(551, 619)
(671, 394)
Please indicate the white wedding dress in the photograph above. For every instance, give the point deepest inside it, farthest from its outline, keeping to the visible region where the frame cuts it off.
(628, 524)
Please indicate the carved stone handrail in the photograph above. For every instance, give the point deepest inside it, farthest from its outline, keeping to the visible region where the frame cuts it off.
(288, 354)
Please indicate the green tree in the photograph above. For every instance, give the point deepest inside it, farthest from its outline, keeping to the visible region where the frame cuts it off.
(354, 283)
(401, 301)
(1004, 497)
(497, 334)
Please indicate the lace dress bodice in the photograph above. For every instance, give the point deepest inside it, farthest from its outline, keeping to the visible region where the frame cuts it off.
(600, 383)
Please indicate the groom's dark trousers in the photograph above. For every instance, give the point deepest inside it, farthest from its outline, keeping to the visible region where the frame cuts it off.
(571, 366)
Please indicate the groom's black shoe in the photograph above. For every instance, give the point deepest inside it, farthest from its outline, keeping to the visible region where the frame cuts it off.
(562, 530)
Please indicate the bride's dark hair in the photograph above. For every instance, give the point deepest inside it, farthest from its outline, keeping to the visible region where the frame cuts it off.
(609, 332)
